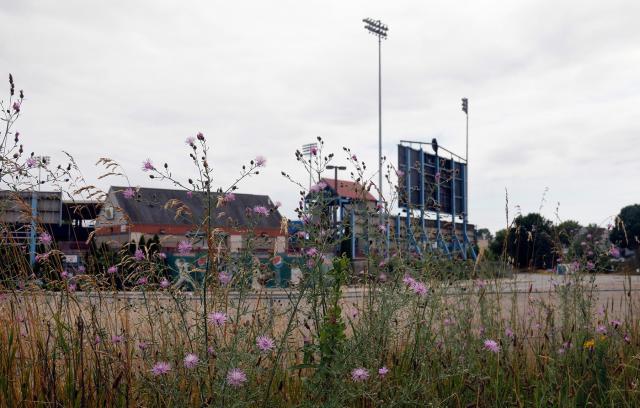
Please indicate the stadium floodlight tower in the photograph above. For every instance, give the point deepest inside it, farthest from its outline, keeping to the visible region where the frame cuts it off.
(377, 28)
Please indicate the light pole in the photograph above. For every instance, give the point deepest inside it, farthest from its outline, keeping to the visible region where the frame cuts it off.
(378, 29)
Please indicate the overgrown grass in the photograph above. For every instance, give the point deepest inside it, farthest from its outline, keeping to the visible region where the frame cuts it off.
(410, 330)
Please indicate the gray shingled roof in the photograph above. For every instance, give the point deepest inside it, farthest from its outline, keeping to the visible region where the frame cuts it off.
(147, 207)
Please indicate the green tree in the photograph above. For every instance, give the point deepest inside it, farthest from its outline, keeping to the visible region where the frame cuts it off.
(566, 232)
(626, 232)
(529, 242)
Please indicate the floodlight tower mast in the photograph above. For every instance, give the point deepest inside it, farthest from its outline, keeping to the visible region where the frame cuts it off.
(377, 28)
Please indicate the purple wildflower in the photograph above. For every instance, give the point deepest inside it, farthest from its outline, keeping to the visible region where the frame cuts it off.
(189, 193)
(399, 173)
(129, 193)
(492, 346)
(31, 162)
(359, 374)
(143, 345)
(408, 280)
(138, 255)
(191, 361)
(143, 281)
(261, 210)
(147, 165)
(210, 350)
(383, 371)
(601, 329)
(614, 252)
(224, 278)
(616, 323)
(236, 377)
(65, 274)
(161, 368)
(316, 188)
(161, 255)
(509, 333)
(217, 318)
(314, 150)
(112, 269)
(419, 288)
(260, 161)
(312, 251)
(278, 204)
(265, 343)
(190, 140)
(184, 247)
(45, 238)
(72, 287)
(164, 283)
(116, 339)
(200, 136)
(382, 228)
(16, 106)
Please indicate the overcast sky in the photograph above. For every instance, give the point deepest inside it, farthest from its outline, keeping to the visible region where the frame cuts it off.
(554, 90)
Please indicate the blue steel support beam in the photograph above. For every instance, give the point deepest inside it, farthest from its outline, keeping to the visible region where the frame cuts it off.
(455, 242)
(32, 232)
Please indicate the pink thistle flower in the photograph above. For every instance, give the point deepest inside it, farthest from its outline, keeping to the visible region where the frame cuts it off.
(112, 269)
(399, 173)
(408, 280)
(354, 157)
(147, 165)
(419, 288)
(116, 339)
(627, 338)
(143, 281)
(616, 323)
(261, 210)
(278, 204)
(260, 161)
(191, 361)
(138, 255)
(314, 150)
(590, 265)
(161, 368)
(359, 374)
(265, 343)
(97, 340)
(383, 371)
(224, 278)
(210, 350)
(189, 194)
(162, 255)
(164, 283)
(492, 346)
(16, 106)
(229, 197)
(143, 345)
(382, 228)
(190, 140)
(601, 329)
(128, 193)
(447, 321)
(614, 252)
(509, 333)
(200, 136)
(72, 287)
(31, 162)
(236, 377)
(184, 247)
(65, 274)
(45, 238)
(312, 251)
(217, 318)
